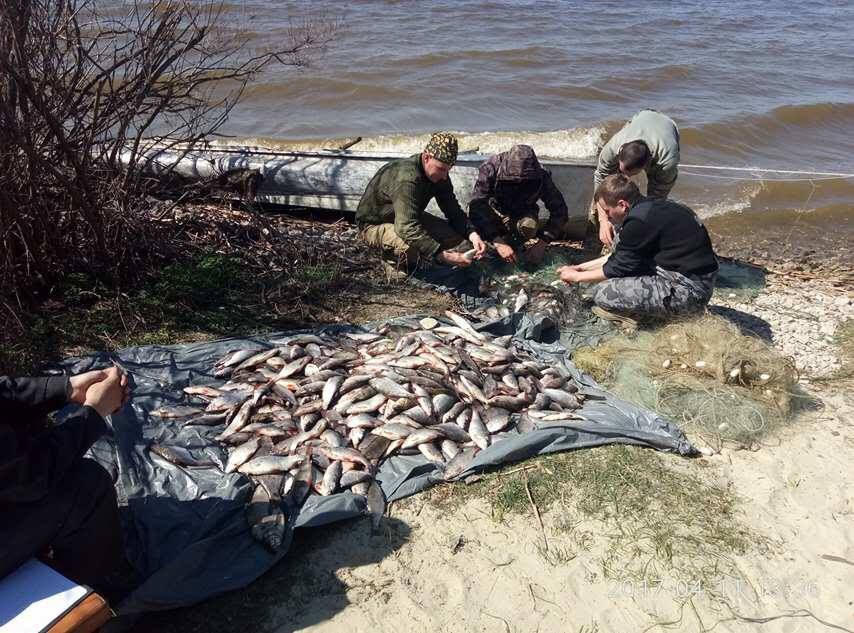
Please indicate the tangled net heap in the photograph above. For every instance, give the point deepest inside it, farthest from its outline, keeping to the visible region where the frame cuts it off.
(702, 373)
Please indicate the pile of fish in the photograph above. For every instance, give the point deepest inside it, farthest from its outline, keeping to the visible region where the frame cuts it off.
(522, 291)
(318, 414)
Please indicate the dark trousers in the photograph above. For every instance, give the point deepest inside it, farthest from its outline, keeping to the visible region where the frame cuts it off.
(78, 522)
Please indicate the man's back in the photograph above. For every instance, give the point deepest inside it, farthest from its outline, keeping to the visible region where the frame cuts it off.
(662, 233)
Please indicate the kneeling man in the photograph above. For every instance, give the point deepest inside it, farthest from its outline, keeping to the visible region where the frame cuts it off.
(663, 263)
(392, 216)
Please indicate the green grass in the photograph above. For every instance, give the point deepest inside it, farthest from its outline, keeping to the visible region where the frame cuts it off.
(657, 515)
(204, 297)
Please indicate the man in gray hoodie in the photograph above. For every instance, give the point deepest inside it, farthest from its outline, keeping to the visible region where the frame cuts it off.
(649, 142)
(504, 208)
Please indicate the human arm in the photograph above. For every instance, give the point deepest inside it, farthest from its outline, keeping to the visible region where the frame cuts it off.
(571, 275)
(32, 462)
(556, 206)
(408, 202)
(504, 250)
(660, 182)
(447, 201)
(606, 229)
(607, 163)
(27, 400)
(590, 265)
(665, 168)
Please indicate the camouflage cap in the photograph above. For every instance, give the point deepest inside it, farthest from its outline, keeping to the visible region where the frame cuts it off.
(443, 147)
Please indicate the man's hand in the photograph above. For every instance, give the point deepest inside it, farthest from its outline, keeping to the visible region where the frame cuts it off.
(606, 231)
(455, 259)
(478, 243)
(108, 395)
(81, 383)
(568, 274)
(505, 252)
(535, 253)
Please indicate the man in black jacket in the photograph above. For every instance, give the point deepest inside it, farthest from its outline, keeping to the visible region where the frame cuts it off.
(53, 502)
(663, 263)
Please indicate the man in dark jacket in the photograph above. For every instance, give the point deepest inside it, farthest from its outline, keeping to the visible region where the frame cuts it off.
(392, 213)
(53, 502)
(662, 265)
(503, 205)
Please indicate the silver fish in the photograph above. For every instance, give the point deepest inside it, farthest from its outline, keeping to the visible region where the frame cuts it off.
(354, 477)
(367, 406)
(390, 388)
(449, 449)
(241, 455)
(478, 432)
(331, 477)
(420, 436)
(267, 464)
(330, 390)
(432, 453)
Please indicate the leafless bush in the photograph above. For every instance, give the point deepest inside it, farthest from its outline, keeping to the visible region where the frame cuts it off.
(83, 95)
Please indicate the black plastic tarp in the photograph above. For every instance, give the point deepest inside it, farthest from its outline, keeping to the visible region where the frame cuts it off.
(185, 528)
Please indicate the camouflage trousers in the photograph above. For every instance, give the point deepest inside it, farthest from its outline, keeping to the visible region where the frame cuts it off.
(521, 230)
(395, 251)
(666, 293)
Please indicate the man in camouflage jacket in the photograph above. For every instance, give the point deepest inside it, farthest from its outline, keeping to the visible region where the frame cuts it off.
(504, 209)
(392, 213)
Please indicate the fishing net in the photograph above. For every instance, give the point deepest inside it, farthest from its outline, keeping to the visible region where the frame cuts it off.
(539, 306)
(703, 374)
(738, 280)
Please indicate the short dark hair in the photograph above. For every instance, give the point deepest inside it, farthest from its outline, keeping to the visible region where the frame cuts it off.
(617, 187)
(634, 155)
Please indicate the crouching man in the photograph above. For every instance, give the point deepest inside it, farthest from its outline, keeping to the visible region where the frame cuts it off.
(504, 207)
(391, 215)
(662, 265)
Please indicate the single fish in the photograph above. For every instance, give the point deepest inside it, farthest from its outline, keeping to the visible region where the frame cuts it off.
(478, 432)
(449, 449)
(202, 391)
(331, 477)
(352, 477)
(294, 366)
(179, 411)
(459, 464)
(367, 406)
(432, 453)
(241, 454)
(376, 505)
(390, 388)
(267, 464)
(180, 456)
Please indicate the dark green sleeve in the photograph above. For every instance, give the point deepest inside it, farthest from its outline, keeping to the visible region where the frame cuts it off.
(450, 206)
(407, 207)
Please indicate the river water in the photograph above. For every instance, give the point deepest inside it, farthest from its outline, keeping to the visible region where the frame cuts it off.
(750, 84)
